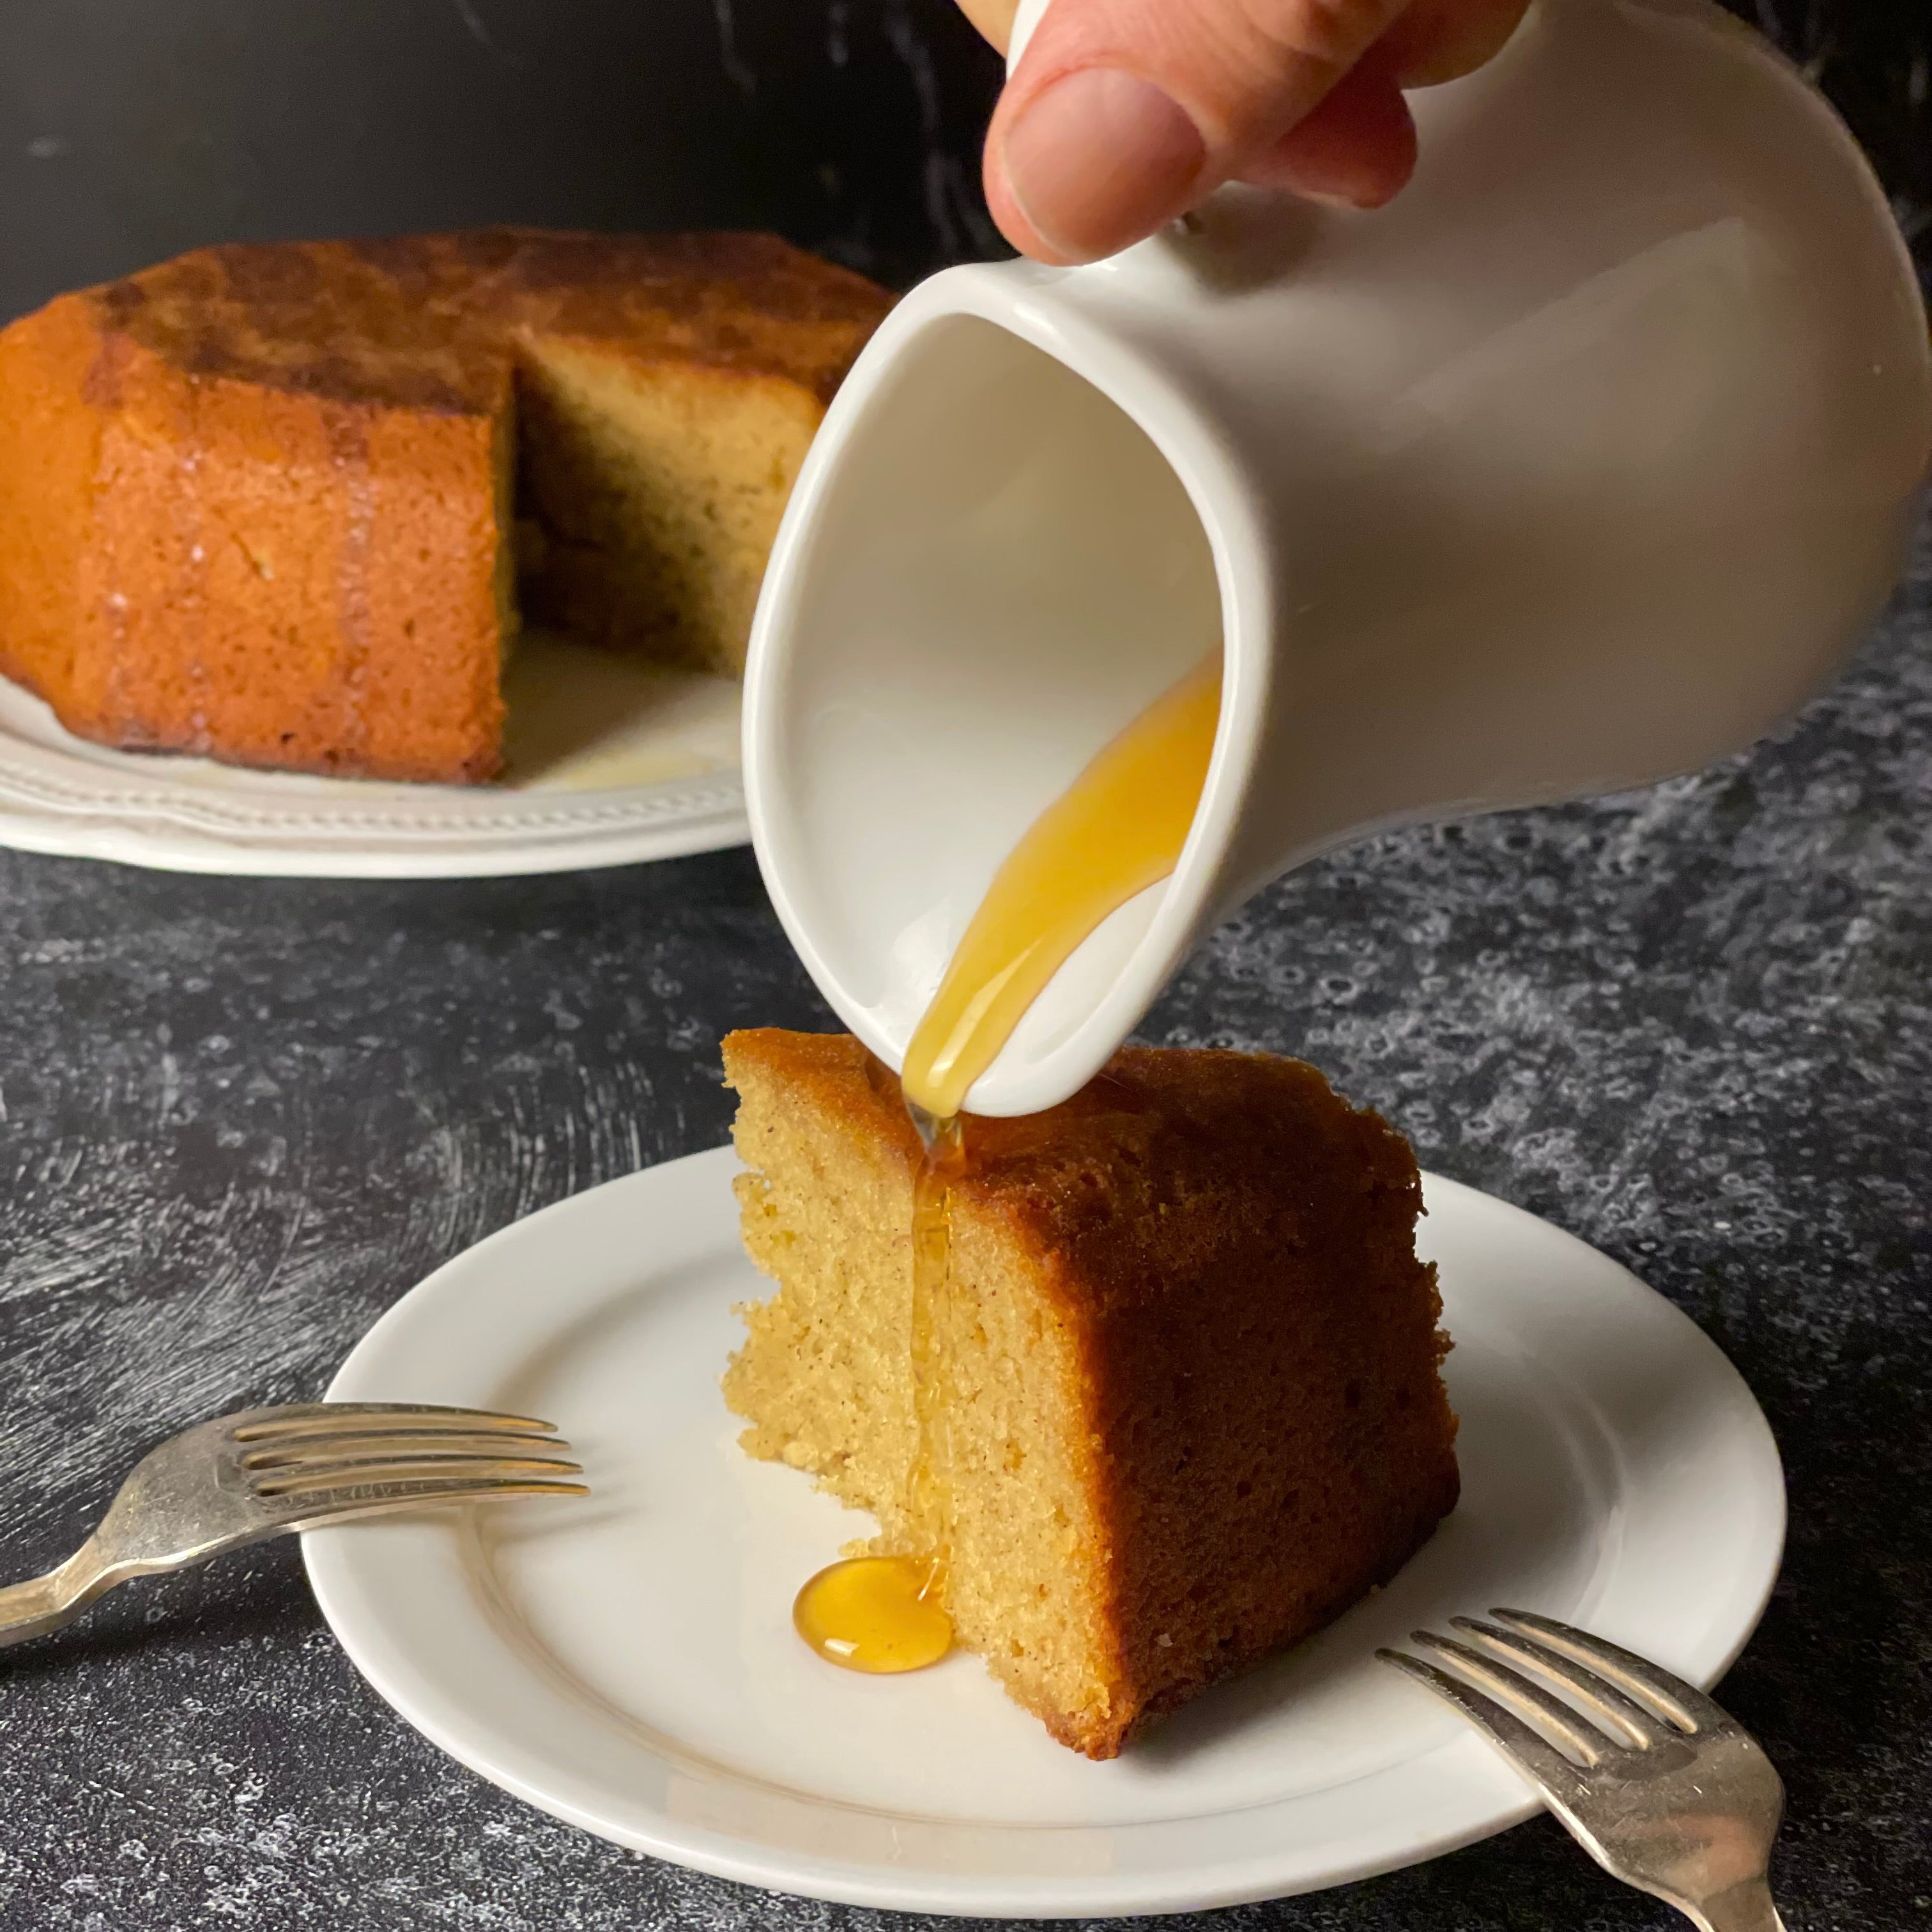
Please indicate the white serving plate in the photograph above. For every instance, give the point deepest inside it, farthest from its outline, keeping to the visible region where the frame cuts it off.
(610, 761)
(628, 1662)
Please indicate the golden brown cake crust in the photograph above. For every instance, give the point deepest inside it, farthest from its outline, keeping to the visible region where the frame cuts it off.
(1233, 1246)
(418, 322)
(250, 499)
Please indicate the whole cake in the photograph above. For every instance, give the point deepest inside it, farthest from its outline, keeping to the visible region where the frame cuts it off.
(284, 504)
(1191, 1363)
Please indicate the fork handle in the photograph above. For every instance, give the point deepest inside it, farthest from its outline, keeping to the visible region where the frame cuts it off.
(1744, 1908)
(44, 1604)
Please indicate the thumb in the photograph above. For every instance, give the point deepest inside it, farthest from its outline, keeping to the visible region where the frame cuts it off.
(1124, 113)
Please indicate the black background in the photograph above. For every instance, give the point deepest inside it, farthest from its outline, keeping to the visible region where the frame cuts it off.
(132, 129)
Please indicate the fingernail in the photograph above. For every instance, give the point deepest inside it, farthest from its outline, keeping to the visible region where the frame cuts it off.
(1100, 160)
(1323, 198)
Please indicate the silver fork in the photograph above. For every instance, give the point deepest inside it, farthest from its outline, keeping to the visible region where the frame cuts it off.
(241, 1477)
(1663, 1789)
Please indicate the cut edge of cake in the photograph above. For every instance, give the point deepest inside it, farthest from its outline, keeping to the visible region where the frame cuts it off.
(658, 489)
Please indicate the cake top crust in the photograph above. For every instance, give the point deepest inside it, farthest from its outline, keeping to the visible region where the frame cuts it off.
(426, 321)
(1148, 1181)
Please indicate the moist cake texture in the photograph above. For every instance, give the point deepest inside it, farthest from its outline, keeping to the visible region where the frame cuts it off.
(1190, 1362)
(267, 502)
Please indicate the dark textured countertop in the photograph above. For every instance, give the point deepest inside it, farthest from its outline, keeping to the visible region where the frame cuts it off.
(240, 1117)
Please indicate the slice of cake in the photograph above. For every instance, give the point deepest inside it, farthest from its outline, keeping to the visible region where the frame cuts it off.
(1191, 1361)
(263, 502)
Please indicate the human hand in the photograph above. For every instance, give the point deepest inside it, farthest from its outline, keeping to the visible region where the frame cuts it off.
(1124, 113)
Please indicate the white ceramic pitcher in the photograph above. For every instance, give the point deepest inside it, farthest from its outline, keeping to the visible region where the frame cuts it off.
(1579, 465)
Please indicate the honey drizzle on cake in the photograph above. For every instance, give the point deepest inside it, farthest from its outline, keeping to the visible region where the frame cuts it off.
(1118, 829)
(942, 1158)
(887, 1614)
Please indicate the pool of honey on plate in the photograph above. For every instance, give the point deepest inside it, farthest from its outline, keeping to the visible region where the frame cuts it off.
(1117, 830)
(878, 1614)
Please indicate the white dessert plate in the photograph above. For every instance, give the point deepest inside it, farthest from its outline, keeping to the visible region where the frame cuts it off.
(628, 1662)
(608, 761)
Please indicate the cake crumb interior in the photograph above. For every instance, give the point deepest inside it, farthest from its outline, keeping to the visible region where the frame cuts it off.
(827, 1372)
(649, 494)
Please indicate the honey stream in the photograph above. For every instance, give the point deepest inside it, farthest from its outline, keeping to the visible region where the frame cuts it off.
(1117, 830)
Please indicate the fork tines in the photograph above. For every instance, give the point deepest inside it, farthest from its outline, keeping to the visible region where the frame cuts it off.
(328, 1418)
(357, 1458)
(1634, 1703)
